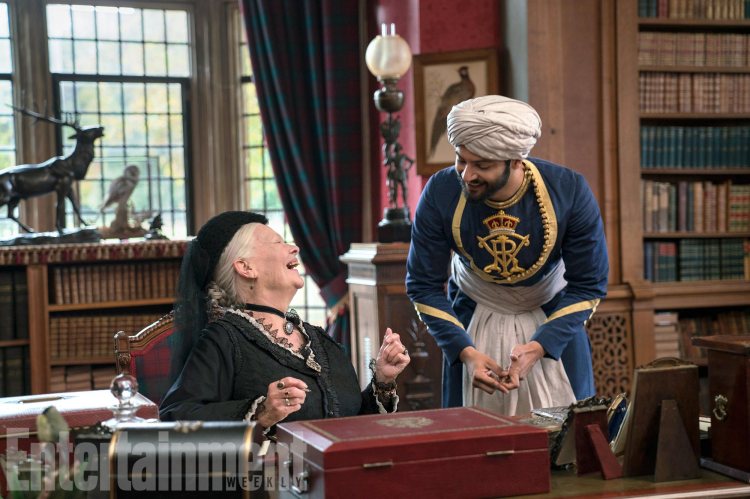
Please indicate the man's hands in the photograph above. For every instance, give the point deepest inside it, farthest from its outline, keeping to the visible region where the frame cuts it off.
(485, 373)
(488, 376)
(522, 359)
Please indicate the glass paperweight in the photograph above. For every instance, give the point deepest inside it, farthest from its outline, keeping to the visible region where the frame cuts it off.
(124, 388)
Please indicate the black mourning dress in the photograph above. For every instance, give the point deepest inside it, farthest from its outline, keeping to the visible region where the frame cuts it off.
(233, 363)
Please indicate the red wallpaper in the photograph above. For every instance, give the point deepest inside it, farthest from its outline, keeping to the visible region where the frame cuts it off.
(448, 25)
(428, 26)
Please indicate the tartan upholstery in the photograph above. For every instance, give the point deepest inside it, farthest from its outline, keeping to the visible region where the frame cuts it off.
(147, 356)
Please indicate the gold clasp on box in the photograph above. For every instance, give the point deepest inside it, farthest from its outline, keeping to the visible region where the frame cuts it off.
(720, 407)
(383, 464)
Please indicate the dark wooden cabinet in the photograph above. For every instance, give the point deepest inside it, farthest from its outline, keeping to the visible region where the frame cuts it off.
(729, 393)
(378, 300)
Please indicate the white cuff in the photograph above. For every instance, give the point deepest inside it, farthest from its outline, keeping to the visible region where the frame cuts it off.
(251, 412)
(381, 407)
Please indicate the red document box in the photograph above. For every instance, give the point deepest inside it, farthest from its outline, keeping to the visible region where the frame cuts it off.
(458, 452)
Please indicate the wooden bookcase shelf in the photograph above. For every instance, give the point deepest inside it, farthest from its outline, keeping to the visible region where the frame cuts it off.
(694, 24)
(695, 69)
(13, 343)
(701, 294)
(76, 297)
(101, 359)
(695, 235)
(700, 172)
(664, 65)
(73, 307)
(694, 116)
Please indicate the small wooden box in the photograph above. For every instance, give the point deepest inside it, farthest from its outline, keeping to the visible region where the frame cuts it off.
(729, 391)
(421, 454)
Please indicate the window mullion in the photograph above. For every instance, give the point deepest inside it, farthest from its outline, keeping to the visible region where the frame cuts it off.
(33, 89)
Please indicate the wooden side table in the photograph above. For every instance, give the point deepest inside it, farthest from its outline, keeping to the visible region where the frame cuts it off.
(377, 297)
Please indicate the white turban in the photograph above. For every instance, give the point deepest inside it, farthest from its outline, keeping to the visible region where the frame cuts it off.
(494, 127)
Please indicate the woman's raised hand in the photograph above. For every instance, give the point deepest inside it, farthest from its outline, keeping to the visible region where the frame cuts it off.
(392, 358)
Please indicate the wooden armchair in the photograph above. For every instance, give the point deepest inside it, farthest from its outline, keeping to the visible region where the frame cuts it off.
(147, 356)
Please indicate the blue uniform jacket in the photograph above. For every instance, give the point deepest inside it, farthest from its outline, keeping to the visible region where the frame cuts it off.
(557, 203)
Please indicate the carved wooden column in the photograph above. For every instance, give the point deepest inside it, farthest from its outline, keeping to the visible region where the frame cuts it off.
(377, 295)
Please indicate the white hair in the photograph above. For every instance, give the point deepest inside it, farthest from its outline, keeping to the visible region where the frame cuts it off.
(223, 290)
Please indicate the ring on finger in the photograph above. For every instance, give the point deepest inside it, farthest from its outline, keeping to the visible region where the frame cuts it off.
(286, 393)
(406, 352)
(280, 385)
(286, 401)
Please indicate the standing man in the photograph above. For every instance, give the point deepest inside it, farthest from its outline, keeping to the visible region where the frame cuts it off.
(520, 244)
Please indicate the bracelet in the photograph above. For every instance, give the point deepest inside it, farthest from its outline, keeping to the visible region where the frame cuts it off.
(387, 390)
(258, 410)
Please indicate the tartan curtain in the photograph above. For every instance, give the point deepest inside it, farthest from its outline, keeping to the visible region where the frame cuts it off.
(305, 58)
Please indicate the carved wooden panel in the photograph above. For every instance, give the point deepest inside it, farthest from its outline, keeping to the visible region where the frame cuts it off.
(610, 336)
(420, 383)
(378, 300)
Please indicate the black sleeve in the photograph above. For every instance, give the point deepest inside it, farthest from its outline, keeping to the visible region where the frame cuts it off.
(204, 388)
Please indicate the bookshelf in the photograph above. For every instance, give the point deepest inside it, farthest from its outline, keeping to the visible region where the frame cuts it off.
(684, 117)
(65, 302)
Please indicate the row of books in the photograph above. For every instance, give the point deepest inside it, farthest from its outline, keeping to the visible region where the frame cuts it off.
(735, 322)
(15, 372)
(105, 282)
(673, 334)
(695, 9)
(84, 336)
(696, 260)
(14, 309)
(700, 207)
(80, 378)
(662, 92)
(695, 147)
(667, 335)
(693, 49)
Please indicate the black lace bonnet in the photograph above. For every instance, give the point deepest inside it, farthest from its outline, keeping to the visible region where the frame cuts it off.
(196, 272)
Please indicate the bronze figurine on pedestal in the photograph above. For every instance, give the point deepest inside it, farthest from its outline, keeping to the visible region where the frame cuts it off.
(56, 175)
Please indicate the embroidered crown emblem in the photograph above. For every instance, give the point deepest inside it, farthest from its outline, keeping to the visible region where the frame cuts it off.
(503, 244)
(501, 222)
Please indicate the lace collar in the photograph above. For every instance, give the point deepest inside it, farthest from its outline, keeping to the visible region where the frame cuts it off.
(309, 360)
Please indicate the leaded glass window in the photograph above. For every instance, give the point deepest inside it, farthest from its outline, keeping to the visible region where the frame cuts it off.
(129, 70)
(8, 228)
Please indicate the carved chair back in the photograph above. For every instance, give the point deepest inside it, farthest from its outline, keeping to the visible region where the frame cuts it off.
(147, 356)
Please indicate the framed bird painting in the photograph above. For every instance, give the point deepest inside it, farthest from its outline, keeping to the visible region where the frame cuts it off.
(441, 81)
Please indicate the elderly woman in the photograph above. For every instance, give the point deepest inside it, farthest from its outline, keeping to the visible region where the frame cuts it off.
(248, 357)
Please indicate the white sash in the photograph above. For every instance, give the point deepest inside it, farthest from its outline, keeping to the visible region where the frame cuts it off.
(507, 316)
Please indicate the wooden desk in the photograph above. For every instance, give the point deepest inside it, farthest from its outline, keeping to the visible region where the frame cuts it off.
(567, 484)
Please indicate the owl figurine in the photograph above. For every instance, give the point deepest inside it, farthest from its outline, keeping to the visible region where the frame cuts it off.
(122, 187)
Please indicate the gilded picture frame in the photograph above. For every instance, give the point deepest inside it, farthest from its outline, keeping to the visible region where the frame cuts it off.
(442, 80)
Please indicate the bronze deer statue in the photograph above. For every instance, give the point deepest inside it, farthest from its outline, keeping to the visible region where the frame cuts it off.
(54, 175)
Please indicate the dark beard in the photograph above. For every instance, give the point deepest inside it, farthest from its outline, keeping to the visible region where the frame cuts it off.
(490, 189)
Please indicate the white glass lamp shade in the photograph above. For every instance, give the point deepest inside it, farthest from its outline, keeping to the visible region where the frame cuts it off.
(388, 56)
